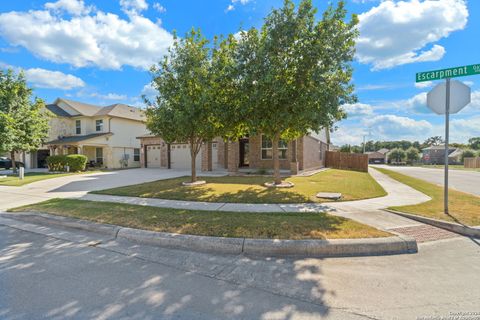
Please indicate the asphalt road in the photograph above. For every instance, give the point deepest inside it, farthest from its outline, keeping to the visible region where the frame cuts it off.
(56, 274)
(462, 180)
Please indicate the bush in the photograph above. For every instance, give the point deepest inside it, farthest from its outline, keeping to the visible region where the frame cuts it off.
(76, 162)
(468, 154)
(412, 155)
(397, 155)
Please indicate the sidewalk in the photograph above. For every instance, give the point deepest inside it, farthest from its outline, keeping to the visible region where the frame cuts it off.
(365, 211)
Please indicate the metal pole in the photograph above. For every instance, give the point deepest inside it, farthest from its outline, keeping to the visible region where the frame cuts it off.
(447, 129)
(363, 143)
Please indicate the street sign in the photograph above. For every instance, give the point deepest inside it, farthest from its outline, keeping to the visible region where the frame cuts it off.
(459, 97)
(448, 73)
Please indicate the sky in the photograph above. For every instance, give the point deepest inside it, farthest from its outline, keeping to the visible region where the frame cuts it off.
(100, 51)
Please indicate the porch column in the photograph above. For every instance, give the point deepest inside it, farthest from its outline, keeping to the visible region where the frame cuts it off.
(233, 153)
(294, 162)
(206, 154)
(80, 149)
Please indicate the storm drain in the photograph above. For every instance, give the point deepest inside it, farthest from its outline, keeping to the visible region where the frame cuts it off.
(425, 233)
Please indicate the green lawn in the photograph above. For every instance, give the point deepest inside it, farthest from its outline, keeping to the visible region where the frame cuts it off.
(279, 225)
(30, 177)
(464, 208)
(249, 189)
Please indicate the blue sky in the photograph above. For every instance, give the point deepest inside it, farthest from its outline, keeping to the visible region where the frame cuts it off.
(99, 52)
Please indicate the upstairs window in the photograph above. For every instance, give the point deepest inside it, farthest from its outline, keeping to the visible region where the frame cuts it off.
(98, 125)
(78, 127)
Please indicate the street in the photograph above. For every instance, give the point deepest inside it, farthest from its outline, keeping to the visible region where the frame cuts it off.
(462, 180)
(54, 273)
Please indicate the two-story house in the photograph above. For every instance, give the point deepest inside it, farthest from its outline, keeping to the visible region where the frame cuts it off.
(106, 135)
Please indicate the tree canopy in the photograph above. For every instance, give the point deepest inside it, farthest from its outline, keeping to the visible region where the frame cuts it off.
(23, 120)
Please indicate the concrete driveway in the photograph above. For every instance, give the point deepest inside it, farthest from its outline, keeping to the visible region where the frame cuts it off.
(48, 273)
(81, 184)
(462, 180)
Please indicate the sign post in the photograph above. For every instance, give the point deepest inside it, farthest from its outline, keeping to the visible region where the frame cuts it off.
(446, 98)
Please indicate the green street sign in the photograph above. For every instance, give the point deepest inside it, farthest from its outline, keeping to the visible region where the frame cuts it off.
(448, 73)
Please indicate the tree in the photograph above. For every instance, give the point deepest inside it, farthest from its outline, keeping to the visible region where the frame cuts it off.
(468, 153)
(474, 143)
(433, 141)
(346, 148)
(412, 154)
(183, 109)
(397, 155)
(296, 72)
(23, 122)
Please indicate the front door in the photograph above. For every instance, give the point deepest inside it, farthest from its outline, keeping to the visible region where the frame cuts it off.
(244, 152)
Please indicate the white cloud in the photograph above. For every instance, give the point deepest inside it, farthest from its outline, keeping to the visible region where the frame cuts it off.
(417, 103)
(464, 129)
(96, 39)
(133, 6)
(110, 96)
(42, 78)
(74, 7)
(157, 6)
(423, 85)
(389, 127)
(397, 33)
(234, 3)
(357, 109)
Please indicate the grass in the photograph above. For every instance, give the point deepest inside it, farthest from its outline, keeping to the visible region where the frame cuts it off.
(464, 208)
(279, 225)
(14, 181)
(249, 189)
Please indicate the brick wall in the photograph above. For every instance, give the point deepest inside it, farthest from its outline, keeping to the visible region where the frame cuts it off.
(255, 157)
(312, 157)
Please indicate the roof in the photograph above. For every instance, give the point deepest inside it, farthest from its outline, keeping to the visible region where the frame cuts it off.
(375, 154)
(118, 110)
(442, 147)
(383, 150)
(71, 139)
(457, 153)
(56, 110)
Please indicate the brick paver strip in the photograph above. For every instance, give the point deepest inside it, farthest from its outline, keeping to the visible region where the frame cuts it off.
(425, 233)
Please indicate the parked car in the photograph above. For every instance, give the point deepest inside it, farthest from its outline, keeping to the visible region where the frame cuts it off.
(6, 163)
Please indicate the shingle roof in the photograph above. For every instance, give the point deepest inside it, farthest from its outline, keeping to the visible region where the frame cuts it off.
(56, 110)
(71, 139)
(118, 110)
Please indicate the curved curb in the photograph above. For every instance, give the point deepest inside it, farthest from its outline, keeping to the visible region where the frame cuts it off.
(260, 247)
(473, 232)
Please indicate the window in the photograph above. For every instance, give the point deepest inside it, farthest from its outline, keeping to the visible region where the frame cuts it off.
(98, 125)
(99, 155)
(78, 127)
(136, 154)
(267, 150)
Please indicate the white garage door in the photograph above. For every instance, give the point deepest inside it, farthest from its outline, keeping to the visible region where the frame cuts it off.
(180, 157)
(153, 156)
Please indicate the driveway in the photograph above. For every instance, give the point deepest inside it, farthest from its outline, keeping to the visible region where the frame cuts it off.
(48, 273)
(462, 180)
(81, 184)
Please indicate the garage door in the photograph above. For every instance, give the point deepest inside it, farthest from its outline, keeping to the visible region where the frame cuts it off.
(180, 157)
(153, 156)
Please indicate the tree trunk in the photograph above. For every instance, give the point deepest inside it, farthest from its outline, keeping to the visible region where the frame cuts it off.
(14, 163)
(193, 156)
(276, 161)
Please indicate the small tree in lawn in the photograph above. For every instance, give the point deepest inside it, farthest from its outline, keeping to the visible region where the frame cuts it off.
(397, 155)
(412, 155)
(23, 123)
(297, 72)
(182, 110)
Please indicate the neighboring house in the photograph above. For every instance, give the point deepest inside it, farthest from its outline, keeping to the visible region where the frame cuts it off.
(251, 153)
(455, 157)
(378, 157)
(106, 135)
(436, 154)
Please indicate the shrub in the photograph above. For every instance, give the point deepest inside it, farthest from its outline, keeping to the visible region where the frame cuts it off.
(397, 155)
(468, 154)
(56, 163)
(76, 162)
(412, 155)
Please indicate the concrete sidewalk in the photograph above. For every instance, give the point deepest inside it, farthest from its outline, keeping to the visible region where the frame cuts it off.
(365, 211)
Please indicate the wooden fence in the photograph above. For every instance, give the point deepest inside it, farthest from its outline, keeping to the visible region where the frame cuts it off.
(471, 162)
(347, 161)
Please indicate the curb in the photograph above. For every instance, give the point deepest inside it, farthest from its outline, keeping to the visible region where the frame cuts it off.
(450, 226)
(259, 247)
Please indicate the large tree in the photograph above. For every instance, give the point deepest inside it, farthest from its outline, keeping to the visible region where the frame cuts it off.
(23, 120)
(296, 72)
(183, 110)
